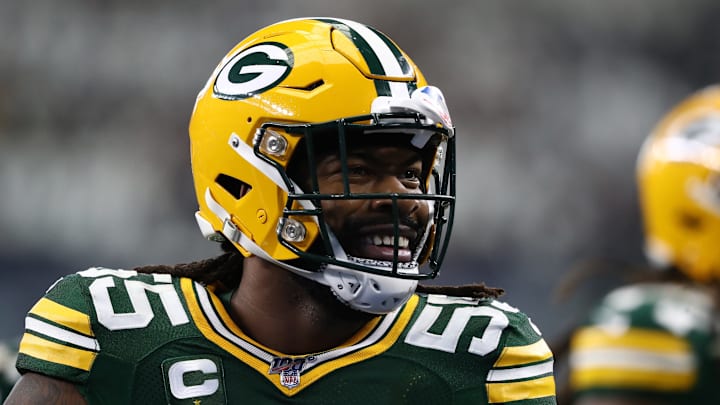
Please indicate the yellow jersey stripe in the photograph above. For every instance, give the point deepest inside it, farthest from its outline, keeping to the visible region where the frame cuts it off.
(375, 349)
(645, 339)
(520, 390)
(517, 355)
(627, 378)
(44, 349)
(63, 315)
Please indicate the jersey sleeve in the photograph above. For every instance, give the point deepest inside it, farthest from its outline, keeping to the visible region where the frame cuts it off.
(522, 373)
(59, 340)
(647, 340)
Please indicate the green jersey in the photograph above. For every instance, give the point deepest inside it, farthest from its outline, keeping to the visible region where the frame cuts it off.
(124, 337)
(655, 341)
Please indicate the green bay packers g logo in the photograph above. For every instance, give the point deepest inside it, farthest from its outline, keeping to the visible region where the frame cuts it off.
(253, 71)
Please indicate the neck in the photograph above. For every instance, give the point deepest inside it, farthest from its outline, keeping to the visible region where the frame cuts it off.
(291, 314)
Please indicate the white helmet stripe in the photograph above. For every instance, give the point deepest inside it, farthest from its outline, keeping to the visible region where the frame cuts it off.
(388, 60)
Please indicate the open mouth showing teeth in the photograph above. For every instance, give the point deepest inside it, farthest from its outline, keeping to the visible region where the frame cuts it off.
(381, 247)
(379, 240)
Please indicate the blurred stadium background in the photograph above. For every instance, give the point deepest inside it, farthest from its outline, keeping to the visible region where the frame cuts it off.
(551, 99)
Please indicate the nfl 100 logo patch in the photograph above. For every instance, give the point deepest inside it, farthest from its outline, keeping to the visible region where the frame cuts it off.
(289, 369)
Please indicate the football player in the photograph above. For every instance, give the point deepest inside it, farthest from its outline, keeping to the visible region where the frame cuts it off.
(324, 164)
(656, 341)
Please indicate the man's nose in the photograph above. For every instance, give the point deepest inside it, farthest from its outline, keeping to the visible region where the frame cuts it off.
(393, 185)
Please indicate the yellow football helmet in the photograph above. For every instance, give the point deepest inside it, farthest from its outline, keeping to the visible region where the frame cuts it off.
(679, 187)
(276, 95)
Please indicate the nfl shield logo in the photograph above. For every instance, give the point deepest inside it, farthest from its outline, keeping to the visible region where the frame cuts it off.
(289, 369)
(290, 378)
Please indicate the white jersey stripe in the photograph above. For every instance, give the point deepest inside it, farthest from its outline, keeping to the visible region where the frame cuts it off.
(630, 359)
(55, 332)
(518, 373)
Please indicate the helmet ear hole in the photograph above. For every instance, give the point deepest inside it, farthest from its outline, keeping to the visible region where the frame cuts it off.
(236, 187)
(690, 221)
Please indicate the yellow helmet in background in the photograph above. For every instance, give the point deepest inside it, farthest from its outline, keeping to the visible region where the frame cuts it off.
(679, 187)
(278, 94)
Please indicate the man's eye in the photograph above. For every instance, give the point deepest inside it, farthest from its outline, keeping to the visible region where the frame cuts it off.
(357, 170)
(412, 174)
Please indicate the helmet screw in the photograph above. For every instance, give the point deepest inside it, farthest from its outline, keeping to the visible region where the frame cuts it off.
(262, 216)
(293, 230)
(275, 143)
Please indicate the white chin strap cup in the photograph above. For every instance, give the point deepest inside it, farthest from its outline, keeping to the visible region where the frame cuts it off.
(368, 292)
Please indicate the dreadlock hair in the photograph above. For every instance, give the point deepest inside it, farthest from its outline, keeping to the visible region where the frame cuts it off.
(224, 271)
(468, 290)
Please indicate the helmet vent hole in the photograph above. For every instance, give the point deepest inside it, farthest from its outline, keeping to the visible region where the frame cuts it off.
(310, 87)
(314, 85)
(235, 187)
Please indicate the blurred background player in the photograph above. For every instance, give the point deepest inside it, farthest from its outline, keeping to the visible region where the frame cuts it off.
(324, 163)
(655, 341)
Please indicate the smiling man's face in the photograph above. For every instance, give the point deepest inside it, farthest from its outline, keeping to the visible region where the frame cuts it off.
(365, 227)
